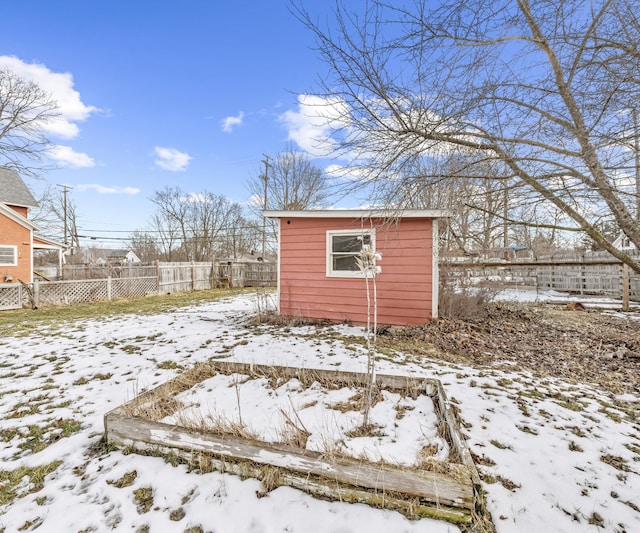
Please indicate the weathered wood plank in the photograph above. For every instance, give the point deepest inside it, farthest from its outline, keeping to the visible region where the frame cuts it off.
(320, 487)
(462, 451)
(386, 381)
(431, 486)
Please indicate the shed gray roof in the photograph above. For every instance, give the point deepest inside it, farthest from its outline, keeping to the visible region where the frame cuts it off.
(14, 191)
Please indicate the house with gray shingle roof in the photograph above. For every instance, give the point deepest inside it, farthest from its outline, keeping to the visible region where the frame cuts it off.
(18, 239)
(14, 191)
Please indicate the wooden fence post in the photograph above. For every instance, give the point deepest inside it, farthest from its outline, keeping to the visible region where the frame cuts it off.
(109, 288)
(158, 276)
(35, 295)
(193, 276)
(625, 287)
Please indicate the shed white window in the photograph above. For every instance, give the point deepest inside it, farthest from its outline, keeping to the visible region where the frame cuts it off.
(8, 255)
(343, 247)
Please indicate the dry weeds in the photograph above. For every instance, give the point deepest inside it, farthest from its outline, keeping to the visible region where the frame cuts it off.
(578, 345)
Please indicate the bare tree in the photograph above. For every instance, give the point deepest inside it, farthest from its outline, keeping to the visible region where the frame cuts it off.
(293, 182)
(170, 221)
(548, 90)
(240, 236)
(191, 227)
(145, 246)
(53, 208)
(25, 110)
(473, 200)
(290, 181)
(168, 233)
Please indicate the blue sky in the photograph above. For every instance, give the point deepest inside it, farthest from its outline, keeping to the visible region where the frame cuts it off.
(157, 93)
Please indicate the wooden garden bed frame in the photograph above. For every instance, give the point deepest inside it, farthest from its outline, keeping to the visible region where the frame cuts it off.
(448, 493)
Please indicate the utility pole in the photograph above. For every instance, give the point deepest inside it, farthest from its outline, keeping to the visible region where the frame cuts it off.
(265, 178)
(65, 189)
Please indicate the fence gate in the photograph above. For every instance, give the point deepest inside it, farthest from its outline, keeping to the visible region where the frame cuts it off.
(10, 296)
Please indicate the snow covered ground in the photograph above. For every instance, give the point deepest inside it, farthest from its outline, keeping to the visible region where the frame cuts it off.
(405, 428)
(554, 456)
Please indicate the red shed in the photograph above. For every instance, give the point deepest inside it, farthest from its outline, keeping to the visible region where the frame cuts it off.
(318, 276)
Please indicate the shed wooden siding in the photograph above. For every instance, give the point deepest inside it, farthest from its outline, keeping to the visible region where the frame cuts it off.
(14, 234)
(404, 288)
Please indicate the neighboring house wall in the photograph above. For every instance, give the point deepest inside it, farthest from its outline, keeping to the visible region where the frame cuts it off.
(623, 243)
(405, 287)
(16, 230)
(24, 211)
(17, 239)
(131, 257)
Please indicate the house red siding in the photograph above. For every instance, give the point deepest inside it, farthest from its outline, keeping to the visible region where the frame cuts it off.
(404, 287)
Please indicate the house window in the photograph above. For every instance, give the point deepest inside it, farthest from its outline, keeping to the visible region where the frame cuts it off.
(8, 255)
(343, 247)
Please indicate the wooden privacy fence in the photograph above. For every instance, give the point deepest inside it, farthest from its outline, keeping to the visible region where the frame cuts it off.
(602, 278)
(129, 270)
(135, 281)
(182, 277)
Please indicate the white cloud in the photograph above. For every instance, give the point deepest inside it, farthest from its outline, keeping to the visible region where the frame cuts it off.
(311, 125)
(172, 159)
(346, 172)
(101, 189)
(231, 122)
(255, 200)
(194, 198)
(68, 157)
(60, 87)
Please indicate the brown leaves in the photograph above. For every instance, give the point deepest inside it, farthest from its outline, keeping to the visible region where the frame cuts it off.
(585, 346)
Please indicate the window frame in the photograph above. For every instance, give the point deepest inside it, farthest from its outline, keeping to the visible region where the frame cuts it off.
(14, 249)
(329, 253)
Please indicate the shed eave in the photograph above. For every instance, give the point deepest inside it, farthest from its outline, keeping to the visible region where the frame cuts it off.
(360, 213)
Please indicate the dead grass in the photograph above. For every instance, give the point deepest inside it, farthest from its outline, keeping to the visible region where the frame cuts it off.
(144, 499)
(270, 479)
(25, 321)
(294, 432)
(161, 402)
(365, 430)
(125, 481)
(216, 424)
(357, 401)
(547, 341)
(12, 481)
